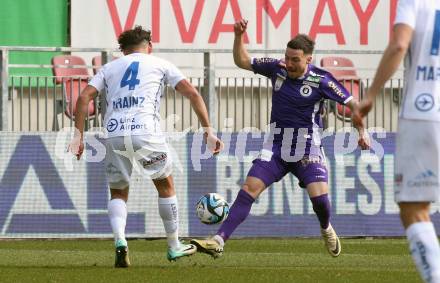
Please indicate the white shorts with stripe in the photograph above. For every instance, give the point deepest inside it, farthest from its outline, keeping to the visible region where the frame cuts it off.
(417, 159)
(127, 153)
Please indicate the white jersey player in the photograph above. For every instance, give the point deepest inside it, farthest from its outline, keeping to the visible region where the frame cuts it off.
(417, 163)
(133, 85)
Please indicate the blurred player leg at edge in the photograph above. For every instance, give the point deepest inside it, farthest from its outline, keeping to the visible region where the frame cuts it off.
(416, 34)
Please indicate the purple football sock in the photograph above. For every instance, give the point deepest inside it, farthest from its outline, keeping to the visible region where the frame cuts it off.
(238, 213)
(321, 206)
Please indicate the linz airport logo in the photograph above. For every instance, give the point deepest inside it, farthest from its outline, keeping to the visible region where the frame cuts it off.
(424, 102)
(112, 125)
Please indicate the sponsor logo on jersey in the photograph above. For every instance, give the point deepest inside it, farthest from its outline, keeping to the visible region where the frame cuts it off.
(313, 79)
(311, 160)
(264, 60)
(132, 127)
(336, 89)
(312, 84)
(124, 124)
(315, 74)
(424, 102)
(128, 102)
(279, 82)
(159, 158)
(424, 179)
(305, 90)
(112, 125)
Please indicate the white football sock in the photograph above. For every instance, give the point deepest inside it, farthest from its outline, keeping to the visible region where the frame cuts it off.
(425, 250)
(117, 212)
(168, 211)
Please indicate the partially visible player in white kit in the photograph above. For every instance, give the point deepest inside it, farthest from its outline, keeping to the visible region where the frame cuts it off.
(417, 163)
(134, 86)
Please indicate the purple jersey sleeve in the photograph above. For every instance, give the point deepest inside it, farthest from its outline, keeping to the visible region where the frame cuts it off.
(334, 90)
(265, 66)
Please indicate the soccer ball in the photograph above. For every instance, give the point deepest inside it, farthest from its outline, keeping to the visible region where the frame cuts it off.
(212, 209)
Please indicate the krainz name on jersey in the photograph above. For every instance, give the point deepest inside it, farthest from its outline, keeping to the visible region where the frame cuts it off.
(128, 102)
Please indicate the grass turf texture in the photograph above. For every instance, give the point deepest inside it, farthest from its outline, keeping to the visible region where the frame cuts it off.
(245, 260)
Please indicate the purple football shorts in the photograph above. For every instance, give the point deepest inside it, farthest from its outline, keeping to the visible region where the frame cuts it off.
(308, 170)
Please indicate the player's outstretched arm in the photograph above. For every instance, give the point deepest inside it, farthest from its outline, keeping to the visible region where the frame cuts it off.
(198, 105)
(241, 56)
(82, 105)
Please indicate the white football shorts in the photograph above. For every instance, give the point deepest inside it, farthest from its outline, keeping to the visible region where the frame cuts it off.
(125, 153)
(416, 166)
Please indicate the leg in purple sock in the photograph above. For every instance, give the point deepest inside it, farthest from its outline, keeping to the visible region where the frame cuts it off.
(237, 214)
(321, 206)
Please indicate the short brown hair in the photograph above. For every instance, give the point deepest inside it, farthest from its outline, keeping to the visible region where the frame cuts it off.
(303, 42)
(133, 37)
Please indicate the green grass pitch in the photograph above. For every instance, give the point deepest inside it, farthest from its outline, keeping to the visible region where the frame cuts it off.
(245, 260)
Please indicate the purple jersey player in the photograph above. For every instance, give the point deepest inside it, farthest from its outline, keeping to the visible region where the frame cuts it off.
(299, 90)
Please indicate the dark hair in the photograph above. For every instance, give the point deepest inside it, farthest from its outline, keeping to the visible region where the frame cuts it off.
(133, 37)
(303, 42)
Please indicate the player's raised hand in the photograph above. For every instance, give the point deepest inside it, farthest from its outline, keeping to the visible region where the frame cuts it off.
(214, 144)
(240, 27)
(76, 146)
(358, 123)
(364, 140)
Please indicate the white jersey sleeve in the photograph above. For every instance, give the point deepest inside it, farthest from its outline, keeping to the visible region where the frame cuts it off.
(173, 75)
(98, 81)
(406, 13)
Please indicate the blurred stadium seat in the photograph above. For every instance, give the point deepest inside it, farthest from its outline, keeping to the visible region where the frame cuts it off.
(72, 90)
(73, 79)
(340, 67)
(344, 71)
(66, 66)
(97, 63)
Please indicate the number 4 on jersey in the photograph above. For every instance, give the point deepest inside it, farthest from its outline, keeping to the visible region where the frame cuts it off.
(436, 35)
(130, 76)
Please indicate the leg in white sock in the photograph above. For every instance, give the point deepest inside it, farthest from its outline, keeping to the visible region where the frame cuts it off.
(117, 211)
(425, 250)
(168, 211)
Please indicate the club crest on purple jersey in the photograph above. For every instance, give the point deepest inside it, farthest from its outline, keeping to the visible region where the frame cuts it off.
(305, 90)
